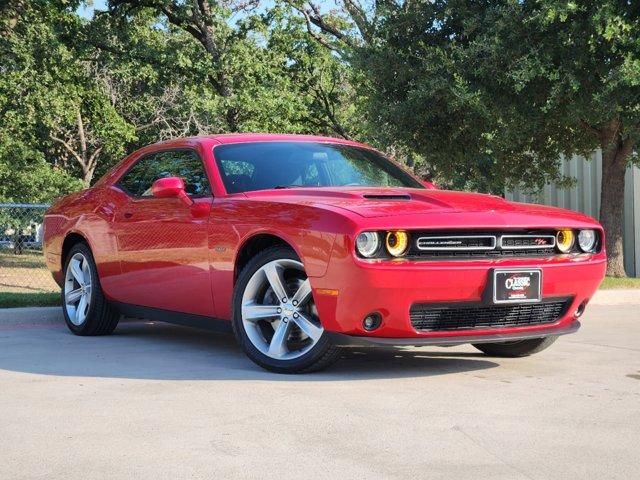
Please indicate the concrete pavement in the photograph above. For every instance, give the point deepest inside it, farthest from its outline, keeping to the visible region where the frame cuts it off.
(162, 402)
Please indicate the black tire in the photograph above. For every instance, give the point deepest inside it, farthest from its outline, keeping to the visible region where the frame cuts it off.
(521, 348)
(321, 355)
(101, 318)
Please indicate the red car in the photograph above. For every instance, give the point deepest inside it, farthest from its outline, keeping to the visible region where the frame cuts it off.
(305, 244)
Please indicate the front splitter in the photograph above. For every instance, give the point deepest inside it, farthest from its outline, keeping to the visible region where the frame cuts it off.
(349, 340)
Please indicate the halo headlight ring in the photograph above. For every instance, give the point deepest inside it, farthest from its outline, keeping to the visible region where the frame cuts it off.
(565, 239)
(397, 243)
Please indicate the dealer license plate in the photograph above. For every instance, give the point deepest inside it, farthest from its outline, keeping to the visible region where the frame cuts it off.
(515, 286)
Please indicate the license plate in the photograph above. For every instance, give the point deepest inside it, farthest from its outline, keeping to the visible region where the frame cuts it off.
(516, 286)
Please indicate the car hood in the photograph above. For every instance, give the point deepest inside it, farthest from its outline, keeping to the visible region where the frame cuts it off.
(399, 203)
(383, 202)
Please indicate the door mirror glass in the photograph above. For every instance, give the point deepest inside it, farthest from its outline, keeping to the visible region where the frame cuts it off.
(171, 187)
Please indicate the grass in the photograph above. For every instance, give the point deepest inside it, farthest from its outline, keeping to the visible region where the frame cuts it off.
(25, 273)
(612, 282)
(30, 299)
(25, 281)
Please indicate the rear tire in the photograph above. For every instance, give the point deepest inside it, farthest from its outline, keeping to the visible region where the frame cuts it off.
(86, 310)
(274, 316)
(520, 348)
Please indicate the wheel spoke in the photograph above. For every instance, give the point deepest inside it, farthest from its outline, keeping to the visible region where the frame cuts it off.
(73, 296)
(86, 272)
(278, 346)
(81, 310)
(255, 312)
(76, 271)
(308, 327)
(272, 272)
(303, 293)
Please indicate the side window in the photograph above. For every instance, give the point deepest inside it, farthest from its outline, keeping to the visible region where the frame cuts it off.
(174, 163)
(134, 181)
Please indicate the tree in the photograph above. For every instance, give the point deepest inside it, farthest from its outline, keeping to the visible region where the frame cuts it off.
(262, 70)
(501, 89)
(57, 118)
(76, 94)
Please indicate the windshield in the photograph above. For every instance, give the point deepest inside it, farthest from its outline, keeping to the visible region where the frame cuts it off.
(245, 167)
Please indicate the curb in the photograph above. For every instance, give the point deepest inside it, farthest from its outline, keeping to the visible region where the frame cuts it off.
(616, 297)
(31, 316)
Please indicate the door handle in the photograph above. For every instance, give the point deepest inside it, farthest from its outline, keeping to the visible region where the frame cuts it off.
(128, 215)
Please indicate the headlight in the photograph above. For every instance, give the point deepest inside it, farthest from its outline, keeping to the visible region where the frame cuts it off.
(565, 240)
(587, 240)
(367, 244)
(397, 242)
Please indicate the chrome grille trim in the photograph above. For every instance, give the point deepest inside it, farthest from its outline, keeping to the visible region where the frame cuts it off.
(423, 239)
(526, 247)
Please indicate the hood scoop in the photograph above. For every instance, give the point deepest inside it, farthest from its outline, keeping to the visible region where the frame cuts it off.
(387, 196)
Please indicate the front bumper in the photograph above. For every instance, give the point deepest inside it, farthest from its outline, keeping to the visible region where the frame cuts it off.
(355, 341)
(391, 288)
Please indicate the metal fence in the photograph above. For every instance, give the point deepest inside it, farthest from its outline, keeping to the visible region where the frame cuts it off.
(585, 197)
(22, 265)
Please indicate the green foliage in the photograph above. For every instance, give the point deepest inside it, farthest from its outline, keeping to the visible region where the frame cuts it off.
(480, 95)
(48, 84)
(491, 93)
(21, 299)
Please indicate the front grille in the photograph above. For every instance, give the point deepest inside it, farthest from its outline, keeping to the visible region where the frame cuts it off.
(456, 243)
(529, 252)
(469, 316)
(515, 242)
(490, 244)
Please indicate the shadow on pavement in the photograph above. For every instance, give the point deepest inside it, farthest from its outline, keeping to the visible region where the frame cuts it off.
(149, 350)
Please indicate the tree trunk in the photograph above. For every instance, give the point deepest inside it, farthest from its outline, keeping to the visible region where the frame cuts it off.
(87, 176)
(615, 154)
(204, 18)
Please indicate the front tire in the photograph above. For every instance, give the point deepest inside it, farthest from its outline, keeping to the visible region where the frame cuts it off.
(274, 315)
(520, 348)
(86, 310)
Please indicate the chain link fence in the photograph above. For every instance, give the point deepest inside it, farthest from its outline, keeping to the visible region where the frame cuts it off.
(22, 264)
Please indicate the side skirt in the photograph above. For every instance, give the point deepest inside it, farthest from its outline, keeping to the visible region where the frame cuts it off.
(176, 318)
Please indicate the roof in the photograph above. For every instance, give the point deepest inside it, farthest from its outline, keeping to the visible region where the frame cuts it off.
(226, 138)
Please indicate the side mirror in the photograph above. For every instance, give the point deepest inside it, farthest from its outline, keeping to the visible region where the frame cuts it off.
(171, 187)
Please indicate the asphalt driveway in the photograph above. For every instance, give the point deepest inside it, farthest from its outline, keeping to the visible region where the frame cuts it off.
(162, 402)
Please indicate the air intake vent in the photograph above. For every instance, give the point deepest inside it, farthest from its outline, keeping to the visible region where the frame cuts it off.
(467, 316)
(387, 197)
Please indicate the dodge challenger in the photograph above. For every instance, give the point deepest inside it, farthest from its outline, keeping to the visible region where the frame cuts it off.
(302, 245)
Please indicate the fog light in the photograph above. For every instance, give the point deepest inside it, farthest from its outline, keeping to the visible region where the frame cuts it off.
(580, 309)
(372, 321)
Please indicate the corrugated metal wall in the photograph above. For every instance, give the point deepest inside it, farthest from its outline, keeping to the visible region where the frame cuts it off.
(585, 197)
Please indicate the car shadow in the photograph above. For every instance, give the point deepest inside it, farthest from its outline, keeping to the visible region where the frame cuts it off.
(151, 350)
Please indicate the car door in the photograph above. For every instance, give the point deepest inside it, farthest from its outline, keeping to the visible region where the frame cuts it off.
(162, 243)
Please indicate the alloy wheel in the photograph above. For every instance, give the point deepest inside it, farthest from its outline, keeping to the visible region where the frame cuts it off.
(278, 312)
(77, 289)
